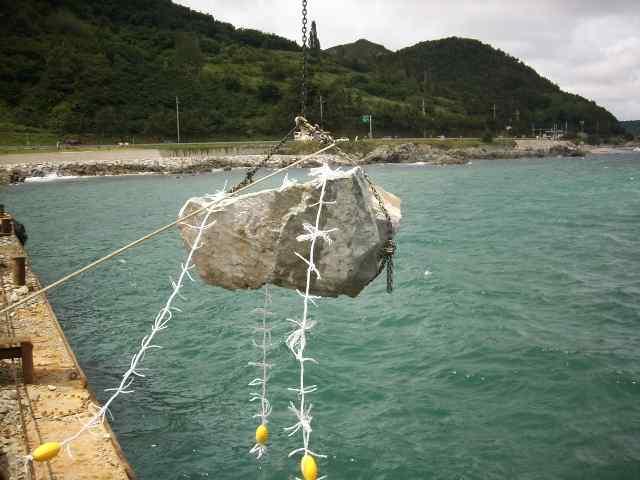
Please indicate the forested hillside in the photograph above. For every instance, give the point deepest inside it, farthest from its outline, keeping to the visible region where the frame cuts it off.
(463, 80)
(632, 126)
(113, 68)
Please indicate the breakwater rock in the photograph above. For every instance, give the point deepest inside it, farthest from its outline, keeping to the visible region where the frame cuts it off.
(254, 239)
(410, 153)
(193, 162)
(428, 154)
(170, 166)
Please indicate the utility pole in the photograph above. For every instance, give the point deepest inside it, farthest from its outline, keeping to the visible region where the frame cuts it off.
(424, 105)
(178, 117)
(370, 126)
(424, 117)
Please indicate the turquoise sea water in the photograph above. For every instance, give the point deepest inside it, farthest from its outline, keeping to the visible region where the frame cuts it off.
(510, 349)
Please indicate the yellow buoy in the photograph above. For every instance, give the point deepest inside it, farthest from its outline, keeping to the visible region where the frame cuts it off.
(46, 451)
(309, 467)
(262, 434)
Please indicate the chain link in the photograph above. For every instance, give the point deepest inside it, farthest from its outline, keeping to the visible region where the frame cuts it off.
(248, 179)
(386, 255)
(303, 95)
(388, 251)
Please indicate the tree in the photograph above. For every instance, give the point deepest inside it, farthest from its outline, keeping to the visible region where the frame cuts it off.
(314, 42)
(106, 120)
(269, 92)
(189, 57)
(63, 119)
(115, 66)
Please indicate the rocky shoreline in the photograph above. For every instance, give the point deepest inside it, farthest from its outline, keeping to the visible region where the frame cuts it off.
(154, 162)
(417, 153)
(173, 166)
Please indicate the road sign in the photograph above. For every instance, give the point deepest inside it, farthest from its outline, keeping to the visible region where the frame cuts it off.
(366, 118)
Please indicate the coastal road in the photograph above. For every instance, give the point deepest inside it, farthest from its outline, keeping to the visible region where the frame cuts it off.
(125, 155)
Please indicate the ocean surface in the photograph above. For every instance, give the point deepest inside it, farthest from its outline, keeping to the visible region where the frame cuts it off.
(510, 348)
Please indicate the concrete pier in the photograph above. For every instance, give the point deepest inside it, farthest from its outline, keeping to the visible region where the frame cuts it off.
(46, 397)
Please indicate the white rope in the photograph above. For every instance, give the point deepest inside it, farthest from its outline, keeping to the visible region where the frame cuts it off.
(286, 182)
(160, 230)
(160, 323)
(264, 330)
(297, 339)
(165, 315)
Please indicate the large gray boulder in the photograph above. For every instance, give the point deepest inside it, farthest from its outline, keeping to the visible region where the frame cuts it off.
(254, 239)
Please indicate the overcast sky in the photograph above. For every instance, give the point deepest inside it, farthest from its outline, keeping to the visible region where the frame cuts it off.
(588, 47)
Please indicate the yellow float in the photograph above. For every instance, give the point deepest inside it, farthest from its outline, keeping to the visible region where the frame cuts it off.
(46, 451)
(309, 467)
(262, 434)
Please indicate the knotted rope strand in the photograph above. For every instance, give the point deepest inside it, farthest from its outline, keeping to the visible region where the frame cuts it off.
(160, 323)
(260, 448)
(297, 339)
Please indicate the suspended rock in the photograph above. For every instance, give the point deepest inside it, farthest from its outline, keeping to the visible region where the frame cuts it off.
(254, 239)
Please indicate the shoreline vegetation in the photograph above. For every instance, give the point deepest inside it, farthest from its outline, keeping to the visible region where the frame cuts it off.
(180, 159)
(114, 69)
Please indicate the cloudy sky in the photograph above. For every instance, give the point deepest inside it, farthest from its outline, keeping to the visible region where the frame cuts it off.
(588, 47)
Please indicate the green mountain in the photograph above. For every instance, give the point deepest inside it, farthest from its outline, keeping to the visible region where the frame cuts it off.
(462, 80)
(113, 68)
(359, 55)
(632, 126)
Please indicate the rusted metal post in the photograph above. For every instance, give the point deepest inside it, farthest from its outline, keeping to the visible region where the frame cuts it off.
(19, 271)
(5, 226)
(26, 350)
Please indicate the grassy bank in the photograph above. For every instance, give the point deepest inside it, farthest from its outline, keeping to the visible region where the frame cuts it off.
(24, 137)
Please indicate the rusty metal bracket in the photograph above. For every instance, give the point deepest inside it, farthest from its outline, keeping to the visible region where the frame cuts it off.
(6, 225)
(22, 349)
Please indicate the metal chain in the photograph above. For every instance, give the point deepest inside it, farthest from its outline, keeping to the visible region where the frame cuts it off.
(386, 255)
(248, 179)
(303, 96)
(389, 248)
